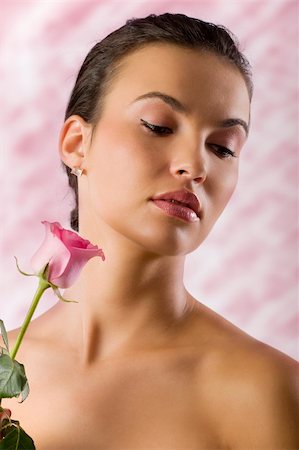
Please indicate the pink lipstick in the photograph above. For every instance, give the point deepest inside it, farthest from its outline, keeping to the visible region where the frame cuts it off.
(177, 210)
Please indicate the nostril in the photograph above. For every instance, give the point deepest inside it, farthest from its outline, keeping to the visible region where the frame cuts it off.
(199, 179)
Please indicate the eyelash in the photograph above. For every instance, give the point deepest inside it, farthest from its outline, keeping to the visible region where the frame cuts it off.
(224, 151)
(163, 131)
(156, 129)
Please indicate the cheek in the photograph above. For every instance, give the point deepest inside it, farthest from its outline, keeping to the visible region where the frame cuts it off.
(223, 188)
(229, 185)
(125, 158)
(119, 171)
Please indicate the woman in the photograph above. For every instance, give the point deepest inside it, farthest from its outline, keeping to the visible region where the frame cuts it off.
(155, 126)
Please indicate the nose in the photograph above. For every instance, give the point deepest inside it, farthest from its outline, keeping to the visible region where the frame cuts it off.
(192, 165)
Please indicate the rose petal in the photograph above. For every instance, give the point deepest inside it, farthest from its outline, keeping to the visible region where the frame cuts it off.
(67, 253)
(52, 250)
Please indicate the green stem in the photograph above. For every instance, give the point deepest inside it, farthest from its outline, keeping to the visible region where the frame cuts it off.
(42, 286)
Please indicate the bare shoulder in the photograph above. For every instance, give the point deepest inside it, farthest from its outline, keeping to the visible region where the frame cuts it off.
(251, 390)
(265, 406)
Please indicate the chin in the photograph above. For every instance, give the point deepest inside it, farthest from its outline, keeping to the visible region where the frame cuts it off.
(180, 243)
(157, 237)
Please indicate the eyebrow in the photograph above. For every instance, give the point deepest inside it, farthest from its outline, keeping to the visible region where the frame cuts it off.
(233, 122)
(173, 102)
(176, 105)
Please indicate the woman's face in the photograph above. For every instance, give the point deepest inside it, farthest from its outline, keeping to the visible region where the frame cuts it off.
(128, 163)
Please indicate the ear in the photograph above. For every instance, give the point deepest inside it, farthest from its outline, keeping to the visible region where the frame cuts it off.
(74, 141)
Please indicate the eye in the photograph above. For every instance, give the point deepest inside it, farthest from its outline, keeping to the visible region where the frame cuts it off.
(156, 128)
(224, 152)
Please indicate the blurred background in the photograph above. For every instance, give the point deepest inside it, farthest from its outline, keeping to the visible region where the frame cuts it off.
(246, 269)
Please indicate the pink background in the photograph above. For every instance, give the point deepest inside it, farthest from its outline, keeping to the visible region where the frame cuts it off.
(246, 268)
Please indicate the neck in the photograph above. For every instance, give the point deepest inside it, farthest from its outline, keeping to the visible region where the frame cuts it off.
(131, 301)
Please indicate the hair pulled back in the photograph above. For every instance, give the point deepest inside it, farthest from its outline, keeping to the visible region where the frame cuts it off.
(102, 62)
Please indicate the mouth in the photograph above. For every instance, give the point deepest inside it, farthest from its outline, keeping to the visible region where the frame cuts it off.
(176, 209)
(183, 199)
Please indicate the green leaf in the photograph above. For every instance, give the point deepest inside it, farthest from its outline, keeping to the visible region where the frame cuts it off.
(14, 437)
(4, 335)
(13, 380)
(25, 392)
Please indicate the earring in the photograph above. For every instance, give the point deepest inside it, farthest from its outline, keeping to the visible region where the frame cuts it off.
(77, 171)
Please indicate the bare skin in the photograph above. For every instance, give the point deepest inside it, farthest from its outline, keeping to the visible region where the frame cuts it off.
(139, 363)
(180, 396)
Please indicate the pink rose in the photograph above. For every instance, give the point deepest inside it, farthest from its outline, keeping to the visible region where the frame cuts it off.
(66, 252)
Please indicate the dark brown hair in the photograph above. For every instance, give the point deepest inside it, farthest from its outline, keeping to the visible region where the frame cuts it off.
(102, 63)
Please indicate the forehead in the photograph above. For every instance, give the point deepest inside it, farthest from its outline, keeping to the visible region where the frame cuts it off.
(200, 79)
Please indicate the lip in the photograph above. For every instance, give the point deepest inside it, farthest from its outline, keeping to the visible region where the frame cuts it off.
(184, 197)
(177, 210)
